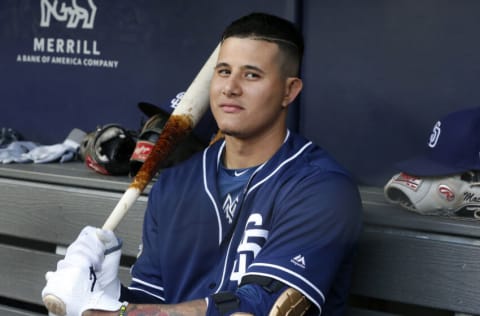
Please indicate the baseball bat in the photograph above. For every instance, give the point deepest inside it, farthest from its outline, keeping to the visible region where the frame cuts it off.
(183, 119)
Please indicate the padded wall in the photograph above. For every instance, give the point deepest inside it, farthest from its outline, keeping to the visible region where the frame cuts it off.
(379, 73)
(53, 78)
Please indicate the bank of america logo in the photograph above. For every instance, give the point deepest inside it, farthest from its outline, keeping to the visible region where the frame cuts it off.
(74, 15)
(298, 260)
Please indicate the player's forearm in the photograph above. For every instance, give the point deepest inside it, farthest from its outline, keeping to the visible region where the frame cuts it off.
(193, 308)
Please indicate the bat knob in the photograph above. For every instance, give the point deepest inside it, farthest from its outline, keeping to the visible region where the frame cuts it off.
(55, 305)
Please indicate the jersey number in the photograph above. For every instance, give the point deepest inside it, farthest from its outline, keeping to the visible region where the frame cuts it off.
(252, 242)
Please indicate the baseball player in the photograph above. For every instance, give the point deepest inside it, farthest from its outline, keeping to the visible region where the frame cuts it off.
(262, 222)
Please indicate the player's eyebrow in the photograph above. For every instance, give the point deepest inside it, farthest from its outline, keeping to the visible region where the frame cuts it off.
(220, 65)
(255, 68)
(245, 67)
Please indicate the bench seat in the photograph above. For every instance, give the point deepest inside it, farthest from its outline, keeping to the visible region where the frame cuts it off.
(407, 264)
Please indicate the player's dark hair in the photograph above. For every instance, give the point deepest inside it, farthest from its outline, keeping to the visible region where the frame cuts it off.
(271, 28)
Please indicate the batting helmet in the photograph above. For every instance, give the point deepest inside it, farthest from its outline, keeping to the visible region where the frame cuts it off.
(107, 150)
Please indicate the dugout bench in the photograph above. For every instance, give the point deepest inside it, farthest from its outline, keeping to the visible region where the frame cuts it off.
(407, 264)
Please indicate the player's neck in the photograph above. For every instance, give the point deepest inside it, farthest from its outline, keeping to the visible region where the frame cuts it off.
(245, 153)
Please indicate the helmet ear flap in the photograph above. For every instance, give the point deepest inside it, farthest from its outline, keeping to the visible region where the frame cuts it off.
(108, 149)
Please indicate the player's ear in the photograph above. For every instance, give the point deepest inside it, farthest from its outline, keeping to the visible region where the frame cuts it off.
(292, 88)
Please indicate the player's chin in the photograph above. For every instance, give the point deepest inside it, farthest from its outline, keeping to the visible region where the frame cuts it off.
(233, 132)
(231, 126)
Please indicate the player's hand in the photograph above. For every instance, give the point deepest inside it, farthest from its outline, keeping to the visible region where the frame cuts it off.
(79, 290)
(89, 248)
(108, 273)
(87, 278)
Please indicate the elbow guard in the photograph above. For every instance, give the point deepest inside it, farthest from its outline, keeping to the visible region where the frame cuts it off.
(290, 303)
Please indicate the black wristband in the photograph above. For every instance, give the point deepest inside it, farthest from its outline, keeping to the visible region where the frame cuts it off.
(268, 284)
(226, 302)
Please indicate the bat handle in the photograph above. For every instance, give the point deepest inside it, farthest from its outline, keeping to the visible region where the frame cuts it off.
(121, 209)
(55, 305)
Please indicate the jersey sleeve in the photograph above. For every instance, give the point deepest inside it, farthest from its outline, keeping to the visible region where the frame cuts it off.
(315, 227)
(146, 275)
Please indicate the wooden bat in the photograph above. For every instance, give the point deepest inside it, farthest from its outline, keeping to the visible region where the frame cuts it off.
(183, 119)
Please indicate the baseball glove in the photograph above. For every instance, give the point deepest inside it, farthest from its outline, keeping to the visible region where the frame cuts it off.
(456, 195)
(149, 135)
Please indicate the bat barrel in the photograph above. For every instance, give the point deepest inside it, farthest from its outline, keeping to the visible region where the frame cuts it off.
(183, 119)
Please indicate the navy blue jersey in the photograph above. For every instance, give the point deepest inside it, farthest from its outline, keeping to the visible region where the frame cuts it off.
(297, 220)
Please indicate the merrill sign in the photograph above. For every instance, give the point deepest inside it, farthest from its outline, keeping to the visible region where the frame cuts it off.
(73, 14)
(51, 50)
(68, 46)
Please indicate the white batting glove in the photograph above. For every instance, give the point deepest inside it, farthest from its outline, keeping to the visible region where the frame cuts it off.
(79, 290)
(108, 273)
(87, 278)
(87, 249)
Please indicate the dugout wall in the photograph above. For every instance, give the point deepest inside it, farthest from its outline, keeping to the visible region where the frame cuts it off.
(378, 73)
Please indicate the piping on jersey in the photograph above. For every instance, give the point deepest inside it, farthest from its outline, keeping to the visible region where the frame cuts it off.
(279, 167)
(153, 286)
(204, 167)
(147, 292)
(148, 285)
